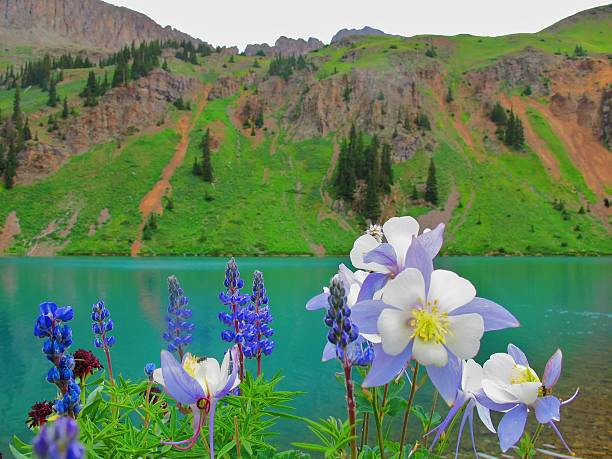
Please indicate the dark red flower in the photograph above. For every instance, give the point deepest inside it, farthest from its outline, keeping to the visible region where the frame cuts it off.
(85, 363)
(39, 413)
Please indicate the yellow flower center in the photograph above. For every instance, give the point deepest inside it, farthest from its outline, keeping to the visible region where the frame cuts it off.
(521, 374)
(430, 324)
(190, 364)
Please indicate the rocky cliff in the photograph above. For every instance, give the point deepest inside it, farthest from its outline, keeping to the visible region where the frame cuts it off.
(122, 111)
(345, 33)
(85, 24)
(285, 46)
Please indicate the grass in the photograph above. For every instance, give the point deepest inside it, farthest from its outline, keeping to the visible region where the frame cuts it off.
(87, 184)
(248, 210)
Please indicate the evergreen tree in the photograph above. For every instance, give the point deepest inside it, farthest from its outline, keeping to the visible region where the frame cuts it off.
(372, 164)
(196, 170)
(52, 100)
(120, 77)
(165, 66)
(345, 175)
(10, 168)
(422, 121)
(415, 194)
(207, 172)
(372, 205)
(498, 114)
(259, 117)
(431, 51)
(514, 134)
(431, 187)
(386, 169)
(449, 95)
(2, 160)
(65, 109)
(91, 90)
(17, 114)
(27, 133)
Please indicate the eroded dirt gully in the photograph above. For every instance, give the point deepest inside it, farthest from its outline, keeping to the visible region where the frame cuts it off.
(152, 202)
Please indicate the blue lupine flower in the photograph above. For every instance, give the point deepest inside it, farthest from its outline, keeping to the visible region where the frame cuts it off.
(178, 334)
(342, 331)
(102, 324)
(57, 337)
(59, 440)
(256, 319)
(149, 369)
(235, 316)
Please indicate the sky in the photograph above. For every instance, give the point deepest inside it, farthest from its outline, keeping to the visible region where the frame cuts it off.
(240, 22)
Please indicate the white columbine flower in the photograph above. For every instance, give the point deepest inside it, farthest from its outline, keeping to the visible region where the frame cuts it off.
(506, 381)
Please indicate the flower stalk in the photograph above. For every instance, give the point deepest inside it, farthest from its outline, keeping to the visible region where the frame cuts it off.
(413, 387)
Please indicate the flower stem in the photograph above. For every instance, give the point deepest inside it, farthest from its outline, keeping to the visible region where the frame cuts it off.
(408, 408)
(350, 404)
(378, 421)
(534, 439)
(237, 436)
(431, 413)
(364, 431)
(110, 365)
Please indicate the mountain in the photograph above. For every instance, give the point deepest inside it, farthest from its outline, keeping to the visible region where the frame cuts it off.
(367, 30)
(518, 128)
(285, 47)
(79, 24)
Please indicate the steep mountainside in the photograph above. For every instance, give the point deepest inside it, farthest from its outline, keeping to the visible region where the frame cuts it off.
(285, 46)
(122, 177)
(77, 24)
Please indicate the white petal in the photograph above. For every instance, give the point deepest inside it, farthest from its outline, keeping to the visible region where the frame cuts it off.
(158, 376)
(485, 416)
(363, 245)
(450, 290)
(497, 392)
(526, 392)
(395, 331)
(353, 294)
(208, 374)
(372, 338)
(360, 275)
(471, 378)
(499, 368)
(399, 232)
(464, 335)
(225, 368)
(429, 353)
(405, 290)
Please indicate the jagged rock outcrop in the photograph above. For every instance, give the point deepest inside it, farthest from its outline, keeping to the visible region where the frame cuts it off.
(345, 33)
(123, 110)
(285, 46)
(86, 23)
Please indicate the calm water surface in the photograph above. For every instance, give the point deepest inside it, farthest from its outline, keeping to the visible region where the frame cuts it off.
(560, 302)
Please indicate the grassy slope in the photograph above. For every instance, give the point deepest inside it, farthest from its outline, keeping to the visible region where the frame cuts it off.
(245, 214)
(89, 183)
(506, 197)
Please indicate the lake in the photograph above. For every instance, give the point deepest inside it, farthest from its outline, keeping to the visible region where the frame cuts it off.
(560, 302)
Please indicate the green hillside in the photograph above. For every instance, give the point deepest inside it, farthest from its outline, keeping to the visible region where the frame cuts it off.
(272, 192)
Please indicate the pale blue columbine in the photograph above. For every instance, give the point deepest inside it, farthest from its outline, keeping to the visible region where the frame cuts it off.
(58, 440)
(387, 259)
(360, 351)
(510, 385)
(198, 383)
(431, 316)
(471, 384)
(178, 334)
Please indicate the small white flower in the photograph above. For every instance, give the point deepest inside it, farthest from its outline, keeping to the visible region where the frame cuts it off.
(505, 381)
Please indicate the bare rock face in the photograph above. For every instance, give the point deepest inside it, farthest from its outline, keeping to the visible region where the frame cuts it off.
(224, 87)
(345, 33)
(88, 23)
(285, 47)
(605, 118)
(140, 104)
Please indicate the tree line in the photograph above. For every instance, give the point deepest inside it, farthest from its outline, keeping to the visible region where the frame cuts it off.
(509, 126)
(285, 66)
(39, 72)
(360, 166)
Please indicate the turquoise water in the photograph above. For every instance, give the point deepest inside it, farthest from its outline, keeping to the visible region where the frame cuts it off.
(561, 302)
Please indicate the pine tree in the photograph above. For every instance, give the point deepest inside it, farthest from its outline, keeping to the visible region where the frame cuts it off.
(373, 164)
(165, 66)
(17, 114)
(415, 194)
(10, 169)
(372, 205)
(196, 170)
(91, 90)
(345, 176)
(207, 172)
(498, 114)
(449, 95)
(27, 133)
(431, 187)
(65, 109)
(52, 100)
(386, 169)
